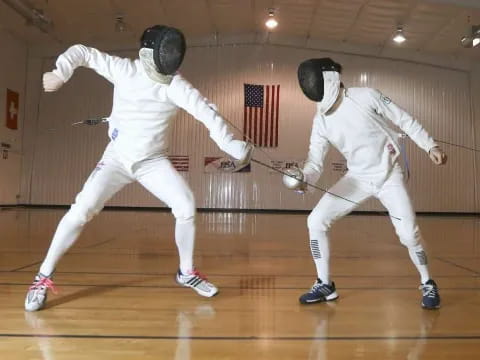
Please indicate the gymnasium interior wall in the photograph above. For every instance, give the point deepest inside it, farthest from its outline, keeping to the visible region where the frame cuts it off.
(13, 65)
(475, 96)
(59, 157)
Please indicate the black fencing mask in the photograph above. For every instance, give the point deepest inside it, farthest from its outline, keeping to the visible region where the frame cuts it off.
(319, 80)
(167, 46)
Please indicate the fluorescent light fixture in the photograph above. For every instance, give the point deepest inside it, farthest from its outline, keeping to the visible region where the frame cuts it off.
(476, 35)
(120, 25)
(473, 39)
(33, 16)
(399, 37)
(271, 22)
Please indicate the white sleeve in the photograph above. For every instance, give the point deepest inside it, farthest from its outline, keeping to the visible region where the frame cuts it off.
(387, 108)
(79, 55)
(318, 149)
(184, 95)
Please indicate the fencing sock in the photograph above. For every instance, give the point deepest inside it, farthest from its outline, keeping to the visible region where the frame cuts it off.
(185, 239)
(419, 258)
(319, 245)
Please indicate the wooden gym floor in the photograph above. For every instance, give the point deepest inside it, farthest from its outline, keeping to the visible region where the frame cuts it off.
(118, 299)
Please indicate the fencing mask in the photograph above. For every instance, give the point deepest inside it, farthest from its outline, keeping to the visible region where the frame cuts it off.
(162, 49)
(319, 80)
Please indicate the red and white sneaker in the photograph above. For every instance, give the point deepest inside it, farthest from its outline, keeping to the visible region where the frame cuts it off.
(197, 282)
(37, 293)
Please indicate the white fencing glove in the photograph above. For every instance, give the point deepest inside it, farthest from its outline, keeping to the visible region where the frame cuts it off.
(51, 82)
(294, 180)
(437, 155)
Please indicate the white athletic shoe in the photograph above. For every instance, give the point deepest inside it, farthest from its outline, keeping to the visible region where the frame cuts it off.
(37, 293)
(197, 282)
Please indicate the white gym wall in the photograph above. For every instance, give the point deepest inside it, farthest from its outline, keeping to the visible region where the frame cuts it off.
(475, 96)
(59, 157)
(13, 64)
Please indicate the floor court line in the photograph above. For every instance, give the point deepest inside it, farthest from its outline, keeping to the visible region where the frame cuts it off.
(25, 267)
(99, 243)
(457, 265)
(262, 256)
(241, 256)
(173, 254)
(246, 338)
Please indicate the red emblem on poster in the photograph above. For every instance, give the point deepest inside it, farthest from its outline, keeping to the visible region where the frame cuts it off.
(12, 109)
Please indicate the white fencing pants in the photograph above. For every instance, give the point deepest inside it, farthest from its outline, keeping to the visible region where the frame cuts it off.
(157, 175)
(392, 194)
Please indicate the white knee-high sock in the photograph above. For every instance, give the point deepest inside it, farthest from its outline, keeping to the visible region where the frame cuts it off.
(320, 248)
(68, 231)
(185, 239)
(419, 258)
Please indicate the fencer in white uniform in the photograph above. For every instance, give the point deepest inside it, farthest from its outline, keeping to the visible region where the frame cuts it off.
(147, 93)
(354, 121)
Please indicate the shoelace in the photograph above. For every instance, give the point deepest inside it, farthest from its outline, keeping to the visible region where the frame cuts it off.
(44, 281)
(315, 286)
(318, 287)
(429, 290)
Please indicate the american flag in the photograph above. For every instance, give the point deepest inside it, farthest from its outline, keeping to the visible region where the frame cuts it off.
(260, 120)
(179, 162)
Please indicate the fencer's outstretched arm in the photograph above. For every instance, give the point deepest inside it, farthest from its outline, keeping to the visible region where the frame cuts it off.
(104, 64)
(184, 95)
(385, 107)
(388, 109)
(318, 149)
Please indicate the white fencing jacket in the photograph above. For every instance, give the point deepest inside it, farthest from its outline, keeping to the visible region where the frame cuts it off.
(358, 129)
(143, 109)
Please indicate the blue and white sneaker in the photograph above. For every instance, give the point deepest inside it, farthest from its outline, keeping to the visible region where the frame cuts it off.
(197, 282)
(319, 292)
(430, 295)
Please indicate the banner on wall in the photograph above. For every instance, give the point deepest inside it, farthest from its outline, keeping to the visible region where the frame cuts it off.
(285, 164)
(217, 164)
(180, 162)
(6, 148)
(12, 106)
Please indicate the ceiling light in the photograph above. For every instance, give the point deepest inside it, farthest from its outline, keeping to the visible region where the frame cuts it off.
(467, 41)
(271, 22)
(473, 38)
(33, 16)
(120, 25)
(399, 37)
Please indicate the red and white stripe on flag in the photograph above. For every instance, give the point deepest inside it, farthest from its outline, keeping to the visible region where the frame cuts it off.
(261, 112)
(179, 162)
(12, 106)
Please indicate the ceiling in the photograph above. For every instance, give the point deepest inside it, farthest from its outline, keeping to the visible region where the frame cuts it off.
(431, 26)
